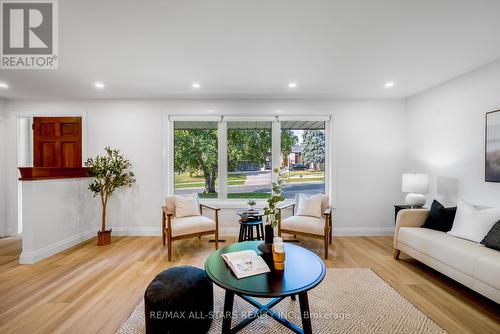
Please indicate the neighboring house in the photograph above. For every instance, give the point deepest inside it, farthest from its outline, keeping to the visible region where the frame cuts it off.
(295, 157)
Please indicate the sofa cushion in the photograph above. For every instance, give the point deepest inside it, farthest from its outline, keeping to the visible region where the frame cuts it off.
(440, 218)
(459, 254)
(193, 224)
(187, 205)
(488, 268)
(471, 223)
(304, 224)
(325, 203)
(310, 205)
(492, 239)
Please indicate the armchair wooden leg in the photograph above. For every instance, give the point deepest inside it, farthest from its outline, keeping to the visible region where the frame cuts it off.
(163, 227)
(216, 240)
(331, 232)
(326, 246)
(169, 247)
(396, 253)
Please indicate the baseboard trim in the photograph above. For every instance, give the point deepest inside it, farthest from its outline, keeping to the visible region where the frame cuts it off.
(28, 257)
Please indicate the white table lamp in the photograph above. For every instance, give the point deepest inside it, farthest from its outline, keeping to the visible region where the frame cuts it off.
(415, 185)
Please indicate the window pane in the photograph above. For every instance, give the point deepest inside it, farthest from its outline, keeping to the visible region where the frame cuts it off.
(249, 159)
(303, 156)
(195, 158)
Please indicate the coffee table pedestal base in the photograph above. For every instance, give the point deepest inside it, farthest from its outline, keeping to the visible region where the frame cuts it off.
(266, 309)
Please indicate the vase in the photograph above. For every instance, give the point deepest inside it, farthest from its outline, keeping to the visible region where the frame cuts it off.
(104, 237)
(267, 246)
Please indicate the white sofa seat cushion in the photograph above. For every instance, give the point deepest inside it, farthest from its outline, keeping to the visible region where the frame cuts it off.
(488, 268)
(459, 254)
(304, 224)
(193, 224)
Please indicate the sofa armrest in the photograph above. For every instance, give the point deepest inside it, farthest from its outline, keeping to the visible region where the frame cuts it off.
(409, 218)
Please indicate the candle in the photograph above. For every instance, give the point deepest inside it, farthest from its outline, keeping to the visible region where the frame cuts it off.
(279, 255)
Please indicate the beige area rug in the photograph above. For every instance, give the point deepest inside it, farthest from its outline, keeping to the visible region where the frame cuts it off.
(347, 301)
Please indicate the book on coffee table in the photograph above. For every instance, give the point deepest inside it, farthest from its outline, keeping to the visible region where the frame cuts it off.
(245, 263)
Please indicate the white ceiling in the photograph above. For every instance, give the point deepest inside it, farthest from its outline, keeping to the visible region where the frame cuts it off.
(252, 49)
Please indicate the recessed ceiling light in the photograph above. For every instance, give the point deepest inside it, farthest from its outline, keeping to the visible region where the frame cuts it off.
(99, 85)
(3, 85)
(292, 85)
(389, 84)
(212, 110)
(196, 85)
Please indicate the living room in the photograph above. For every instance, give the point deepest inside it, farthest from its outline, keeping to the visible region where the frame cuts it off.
(352, 146)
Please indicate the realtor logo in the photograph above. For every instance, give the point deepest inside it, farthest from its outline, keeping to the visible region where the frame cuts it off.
(29, 34)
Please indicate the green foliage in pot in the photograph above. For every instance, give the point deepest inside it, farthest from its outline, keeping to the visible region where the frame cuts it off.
(273, 215)
(109, 172)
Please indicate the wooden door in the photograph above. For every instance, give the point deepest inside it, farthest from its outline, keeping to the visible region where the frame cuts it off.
(57, 142)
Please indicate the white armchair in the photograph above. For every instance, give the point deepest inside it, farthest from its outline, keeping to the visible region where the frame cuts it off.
(309, 226)
(187, 227)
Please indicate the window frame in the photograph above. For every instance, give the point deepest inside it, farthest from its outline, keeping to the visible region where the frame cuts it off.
(222, 151)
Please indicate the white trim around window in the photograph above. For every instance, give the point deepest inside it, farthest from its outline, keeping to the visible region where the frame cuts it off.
(168, 152)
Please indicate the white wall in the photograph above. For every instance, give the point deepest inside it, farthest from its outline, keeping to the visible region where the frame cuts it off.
(3, 213)
(446, 129)
(368, 156)
(57, 214)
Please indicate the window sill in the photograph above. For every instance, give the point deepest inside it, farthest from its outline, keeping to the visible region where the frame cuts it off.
(46, 173)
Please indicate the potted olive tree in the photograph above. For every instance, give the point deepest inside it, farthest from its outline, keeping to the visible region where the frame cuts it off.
(109, 172)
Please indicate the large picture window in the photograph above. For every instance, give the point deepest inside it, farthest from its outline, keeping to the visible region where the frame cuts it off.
(232, 158)
(303, 155)
(196, 158)
(249, 162)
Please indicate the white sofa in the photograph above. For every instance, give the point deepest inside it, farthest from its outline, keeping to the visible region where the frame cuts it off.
(467, 262)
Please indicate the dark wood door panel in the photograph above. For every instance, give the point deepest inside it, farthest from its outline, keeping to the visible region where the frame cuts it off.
(68, 154)
(57, 142)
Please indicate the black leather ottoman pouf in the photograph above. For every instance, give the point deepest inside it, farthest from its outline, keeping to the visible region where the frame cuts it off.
(179, 300)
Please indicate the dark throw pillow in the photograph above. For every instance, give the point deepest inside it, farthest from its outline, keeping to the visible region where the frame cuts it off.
(440, 218)
(492, 239)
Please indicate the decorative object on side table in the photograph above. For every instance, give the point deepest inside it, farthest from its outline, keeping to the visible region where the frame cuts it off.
(251, 204)
(273, 216)
(109, 173)
(415, 185)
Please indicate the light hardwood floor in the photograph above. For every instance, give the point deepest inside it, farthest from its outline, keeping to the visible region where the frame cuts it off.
(92, 289)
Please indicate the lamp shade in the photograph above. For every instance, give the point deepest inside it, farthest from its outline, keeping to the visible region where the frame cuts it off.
(415, 183)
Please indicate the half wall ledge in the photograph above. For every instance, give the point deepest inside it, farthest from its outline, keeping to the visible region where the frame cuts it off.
(48, 173)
